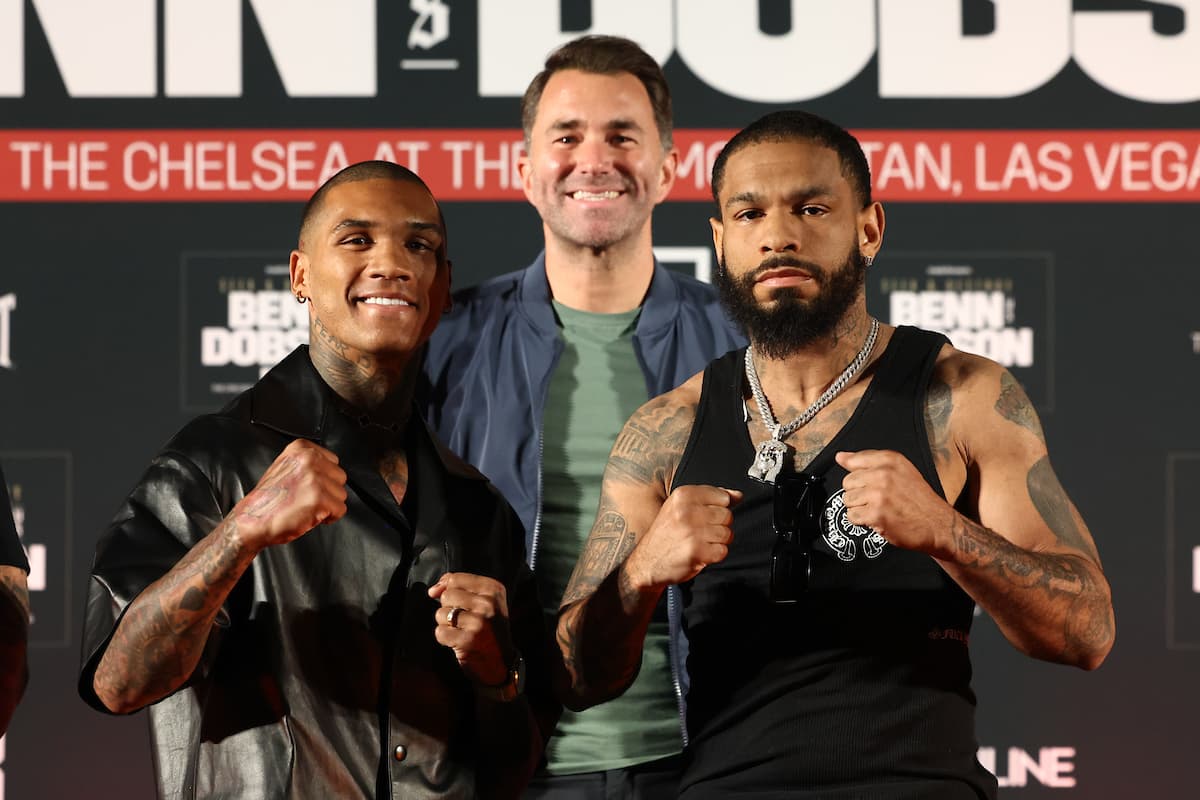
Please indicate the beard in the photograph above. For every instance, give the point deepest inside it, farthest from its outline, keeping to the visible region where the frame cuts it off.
(792, 322)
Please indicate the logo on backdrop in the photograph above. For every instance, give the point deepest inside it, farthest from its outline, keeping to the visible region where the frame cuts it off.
(1053, 767)
(1035, 41)
(239, 319)
(8, 304)
(995, 305)
(39, 492)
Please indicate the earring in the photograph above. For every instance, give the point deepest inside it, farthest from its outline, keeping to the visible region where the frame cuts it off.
(868, 260)
(301, 299)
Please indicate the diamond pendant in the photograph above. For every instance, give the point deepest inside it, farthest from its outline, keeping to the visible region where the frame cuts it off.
(768, 460)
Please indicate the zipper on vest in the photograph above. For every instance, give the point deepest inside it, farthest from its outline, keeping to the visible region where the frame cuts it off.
(673, 652)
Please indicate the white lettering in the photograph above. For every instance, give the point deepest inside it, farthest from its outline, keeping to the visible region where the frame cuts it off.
(202, 48)
(837, 36)
(12, 53)
(918, 39)
(696, 163)
(1143, 167)
(456, 148)
(1196, 570)
(36, 553)
(1108, 42)
(505, 69)
(913, 171)
(432, 26)
(1047, 169)
(946, 310)
(8, 304)
(111, 49)
(247, 347)
(1052, 767)
(504, 165)
(101, 49)
(77, 165)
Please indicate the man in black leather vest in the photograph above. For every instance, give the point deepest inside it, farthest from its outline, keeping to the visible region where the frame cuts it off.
(313, 596)
(834, 501)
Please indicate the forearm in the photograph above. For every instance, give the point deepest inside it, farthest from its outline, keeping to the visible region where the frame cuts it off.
(14, 635)
(601, 638)
(1052, 606)
(160, 638)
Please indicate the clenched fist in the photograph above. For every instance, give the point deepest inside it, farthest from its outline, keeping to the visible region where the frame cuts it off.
(692, 530)
(302, 488)
(884, 491)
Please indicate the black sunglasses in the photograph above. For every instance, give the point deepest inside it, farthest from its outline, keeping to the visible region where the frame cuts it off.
(796, 520)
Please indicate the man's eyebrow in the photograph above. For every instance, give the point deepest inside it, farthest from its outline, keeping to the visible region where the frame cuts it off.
(742, 197)
(415, 224)
(622, 124)
(795, 196)
(618, 124)
(353, 223)
(424, 225)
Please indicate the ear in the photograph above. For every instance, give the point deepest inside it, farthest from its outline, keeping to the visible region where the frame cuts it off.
(525, 170)
(870, 230)
(298, 271)
(666, 174)
(718, 232)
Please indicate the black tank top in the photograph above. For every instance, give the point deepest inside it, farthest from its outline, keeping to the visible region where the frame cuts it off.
(862, 688)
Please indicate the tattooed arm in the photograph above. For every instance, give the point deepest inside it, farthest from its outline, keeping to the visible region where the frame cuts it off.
(645, 539)
(14, 636)
(160, 637)
(1013, 540)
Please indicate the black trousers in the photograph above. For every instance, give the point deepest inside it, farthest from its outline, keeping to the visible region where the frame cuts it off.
(653, 780)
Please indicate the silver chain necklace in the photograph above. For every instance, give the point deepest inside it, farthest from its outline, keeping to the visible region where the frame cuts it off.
(768, 458)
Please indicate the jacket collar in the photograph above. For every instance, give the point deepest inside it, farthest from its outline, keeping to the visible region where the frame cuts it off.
(294, 400)
(659, 309)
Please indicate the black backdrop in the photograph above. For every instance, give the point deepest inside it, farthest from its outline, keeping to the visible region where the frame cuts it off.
(1046, 223)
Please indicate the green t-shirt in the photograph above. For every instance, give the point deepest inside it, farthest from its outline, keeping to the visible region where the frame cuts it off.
(595, 388)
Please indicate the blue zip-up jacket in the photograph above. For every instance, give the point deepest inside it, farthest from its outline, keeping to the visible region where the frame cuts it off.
(488, 367)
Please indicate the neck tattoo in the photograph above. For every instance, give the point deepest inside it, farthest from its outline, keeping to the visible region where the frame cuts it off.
(769, 457)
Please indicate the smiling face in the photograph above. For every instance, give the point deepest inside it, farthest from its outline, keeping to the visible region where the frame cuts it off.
(596, 166)
(791, 240)
(371, 263)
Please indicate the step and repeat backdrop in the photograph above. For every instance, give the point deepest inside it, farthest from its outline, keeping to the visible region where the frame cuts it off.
(1039, 161)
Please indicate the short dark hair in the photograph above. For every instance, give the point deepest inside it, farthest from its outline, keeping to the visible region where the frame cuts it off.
(604, 55)
(791, 125)
(367, 171)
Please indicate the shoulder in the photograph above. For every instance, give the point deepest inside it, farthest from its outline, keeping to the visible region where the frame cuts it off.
(473, 309)
(985, 401)
(650, 446)
(499, 289)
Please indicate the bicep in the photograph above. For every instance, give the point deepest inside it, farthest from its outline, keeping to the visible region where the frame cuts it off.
(1015, 489)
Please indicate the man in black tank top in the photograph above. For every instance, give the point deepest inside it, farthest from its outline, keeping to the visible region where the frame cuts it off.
(833, 501)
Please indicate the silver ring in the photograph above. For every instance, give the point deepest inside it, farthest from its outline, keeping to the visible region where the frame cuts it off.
(452, 616)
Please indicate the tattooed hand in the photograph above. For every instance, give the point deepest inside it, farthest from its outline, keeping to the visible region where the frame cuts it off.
(692, 530)
(884, 491)
(303, 488)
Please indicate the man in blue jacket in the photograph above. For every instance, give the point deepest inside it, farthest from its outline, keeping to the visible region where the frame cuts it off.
(534, 373)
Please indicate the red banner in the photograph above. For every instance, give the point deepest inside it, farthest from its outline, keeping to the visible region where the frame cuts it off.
(480, 164)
